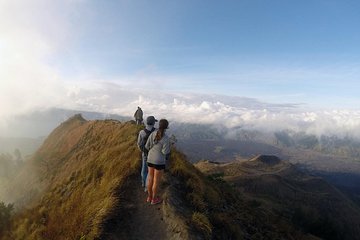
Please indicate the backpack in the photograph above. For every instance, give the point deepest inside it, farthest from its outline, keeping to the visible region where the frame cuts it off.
(142, 147)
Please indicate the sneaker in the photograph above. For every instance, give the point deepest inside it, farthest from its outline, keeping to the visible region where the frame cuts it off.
(156, 200)
(148, 200)
(145, 189)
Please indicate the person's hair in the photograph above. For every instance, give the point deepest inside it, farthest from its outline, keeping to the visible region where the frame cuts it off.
(163, 124)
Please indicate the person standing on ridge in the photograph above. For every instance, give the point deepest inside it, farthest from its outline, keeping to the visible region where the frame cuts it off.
(158, 145)
(138, 115)
(142, 138)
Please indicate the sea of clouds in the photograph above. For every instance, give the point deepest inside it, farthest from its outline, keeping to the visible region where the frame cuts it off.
(225, 111)
(232, 112)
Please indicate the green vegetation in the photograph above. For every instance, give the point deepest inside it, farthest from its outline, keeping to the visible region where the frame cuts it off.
(217, 177)
(5, 216)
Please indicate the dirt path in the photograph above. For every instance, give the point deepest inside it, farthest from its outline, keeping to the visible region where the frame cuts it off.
(140, 220)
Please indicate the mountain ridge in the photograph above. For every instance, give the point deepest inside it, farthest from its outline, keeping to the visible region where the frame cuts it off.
(70, 165)
(84, 186)
(306, 200)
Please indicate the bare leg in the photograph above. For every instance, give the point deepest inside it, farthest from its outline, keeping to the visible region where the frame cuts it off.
(150, 179)
(157, 179)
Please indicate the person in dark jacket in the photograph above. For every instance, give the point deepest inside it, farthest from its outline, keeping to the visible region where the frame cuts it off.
(138, 115)
(141, 141)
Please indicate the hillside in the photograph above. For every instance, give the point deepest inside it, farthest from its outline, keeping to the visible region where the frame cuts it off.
(84, 183)
(305, 201)
(332, 157)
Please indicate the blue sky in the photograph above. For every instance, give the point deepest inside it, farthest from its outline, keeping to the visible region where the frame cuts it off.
(297, 51)
(66, 53)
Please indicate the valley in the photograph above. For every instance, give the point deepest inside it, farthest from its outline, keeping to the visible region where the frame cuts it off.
(257, 178)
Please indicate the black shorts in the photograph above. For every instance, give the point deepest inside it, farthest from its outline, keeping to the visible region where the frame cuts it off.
(156, 166)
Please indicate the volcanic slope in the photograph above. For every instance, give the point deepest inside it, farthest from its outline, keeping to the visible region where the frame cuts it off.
(85, 184)
(308, 202)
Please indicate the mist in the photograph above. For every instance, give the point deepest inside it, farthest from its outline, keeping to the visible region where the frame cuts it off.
(225, 111)
(229, 112)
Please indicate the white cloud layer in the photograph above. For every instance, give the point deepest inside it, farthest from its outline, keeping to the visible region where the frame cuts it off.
(224, 111)
(230, 112)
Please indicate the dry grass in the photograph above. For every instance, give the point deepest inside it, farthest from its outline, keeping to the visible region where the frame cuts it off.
(202, 223)
(83, 165)
(200, 191)
(84, 162)
(205, 200)
(216, 210)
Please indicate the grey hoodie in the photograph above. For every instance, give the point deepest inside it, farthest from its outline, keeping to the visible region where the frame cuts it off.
(142, 135)
(157, 151)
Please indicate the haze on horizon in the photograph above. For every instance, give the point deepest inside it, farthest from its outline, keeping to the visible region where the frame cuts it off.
(237, 63)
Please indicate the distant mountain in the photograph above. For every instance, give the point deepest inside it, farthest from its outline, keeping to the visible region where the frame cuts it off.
(291, 195)
(333, 157)
(330, 144)
(41, 123)
(201, 141)
(84, 183)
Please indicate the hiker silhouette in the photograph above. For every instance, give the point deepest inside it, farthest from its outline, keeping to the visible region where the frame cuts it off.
(138, 115)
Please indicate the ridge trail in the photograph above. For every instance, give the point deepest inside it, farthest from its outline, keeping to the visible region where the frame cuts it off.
(140, 220)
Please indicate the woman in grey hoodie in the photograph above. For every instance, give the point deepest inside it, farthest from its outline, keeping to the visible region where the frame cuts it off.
(158, 145)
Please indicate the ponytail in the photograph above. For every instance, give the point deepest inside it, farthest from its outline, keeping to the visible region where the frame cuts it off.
(163, 125)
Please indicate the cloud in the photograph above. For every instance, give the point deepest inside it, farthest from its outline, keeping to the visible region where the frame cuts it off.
(31, 33)
(229, 113)
(34, 32)
(225, 111)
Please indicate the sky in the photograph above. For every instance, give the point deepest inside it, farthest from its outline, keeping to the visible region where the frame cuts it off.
(279, 61)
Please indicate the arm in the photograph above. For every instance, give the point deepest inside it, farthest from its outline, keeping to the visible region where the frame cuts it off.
(139, 140)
